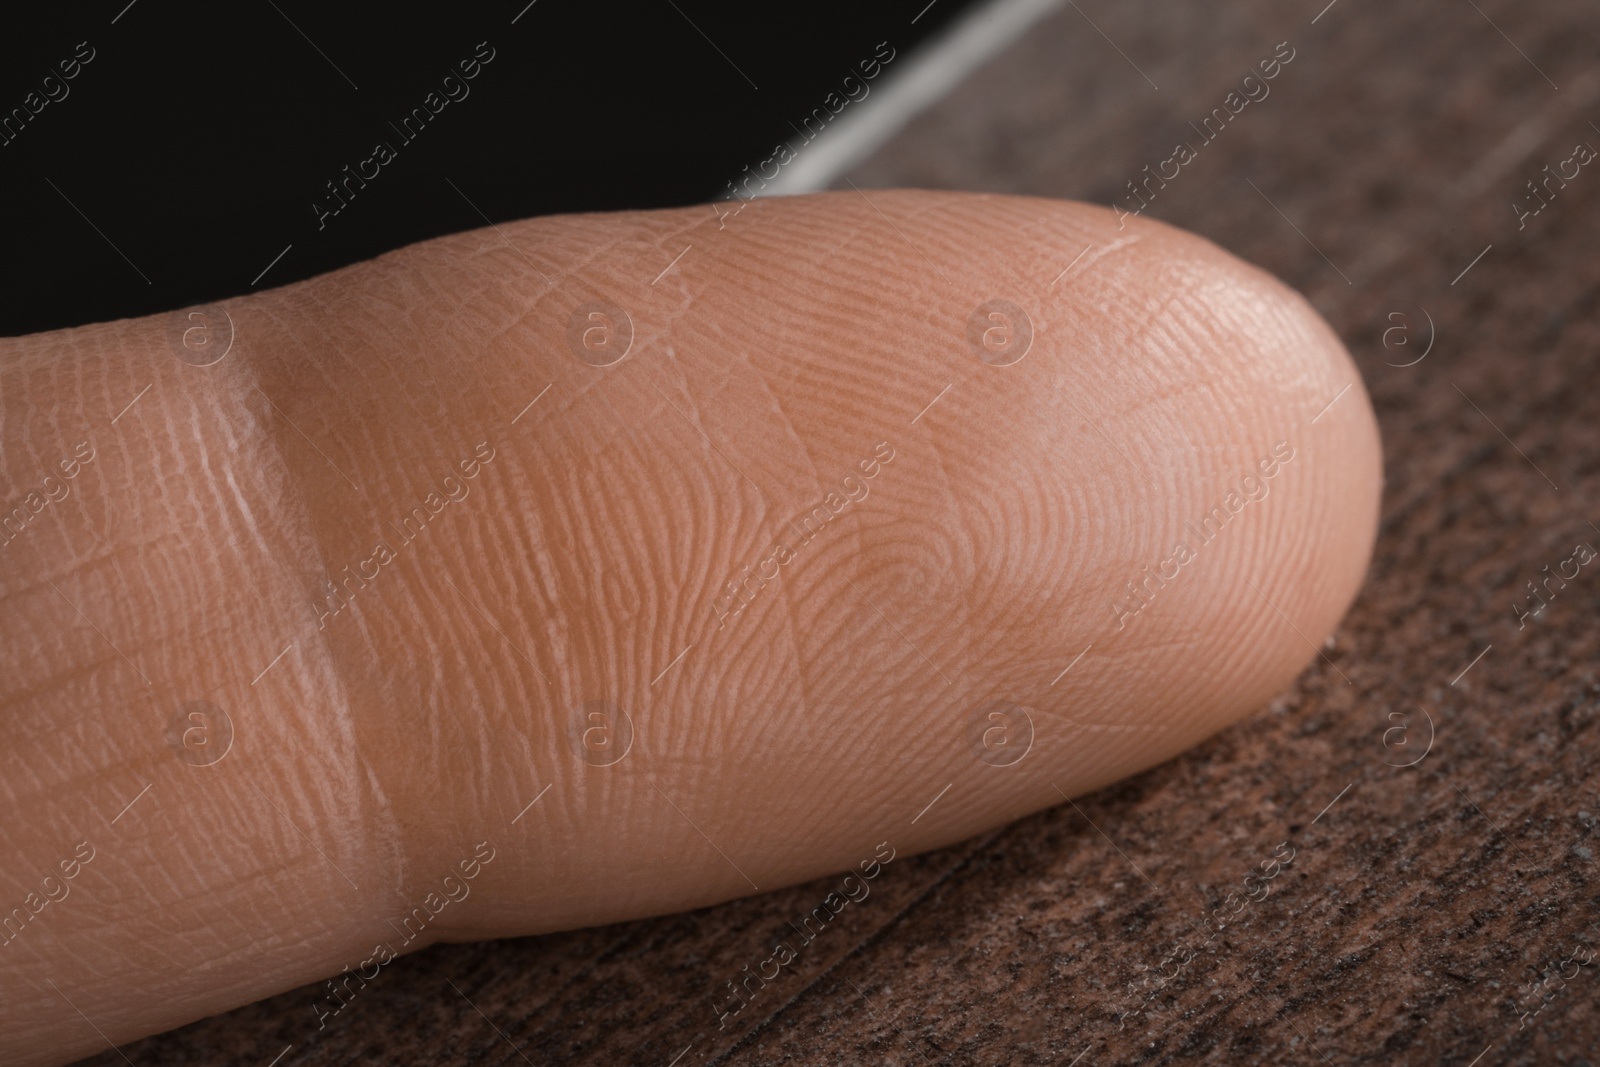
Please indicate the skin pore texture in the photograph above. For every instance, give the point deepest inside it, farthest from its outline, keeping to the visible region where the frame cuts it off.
(529, 578)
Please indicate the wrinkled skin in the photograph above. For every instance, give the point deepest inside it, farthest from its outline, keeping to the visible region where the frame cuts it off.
(979, 528)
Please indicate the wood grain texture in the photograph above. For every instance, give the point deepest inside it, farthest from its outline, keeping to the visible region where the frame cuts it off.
(1417, 909)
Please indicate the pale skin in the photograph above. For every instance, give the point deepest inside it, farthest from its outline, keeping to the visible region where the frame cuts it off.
(973, 542)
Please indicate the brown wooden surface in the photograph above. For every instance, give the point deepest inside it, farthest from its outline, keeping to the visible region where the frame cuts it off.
(1420, 906)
